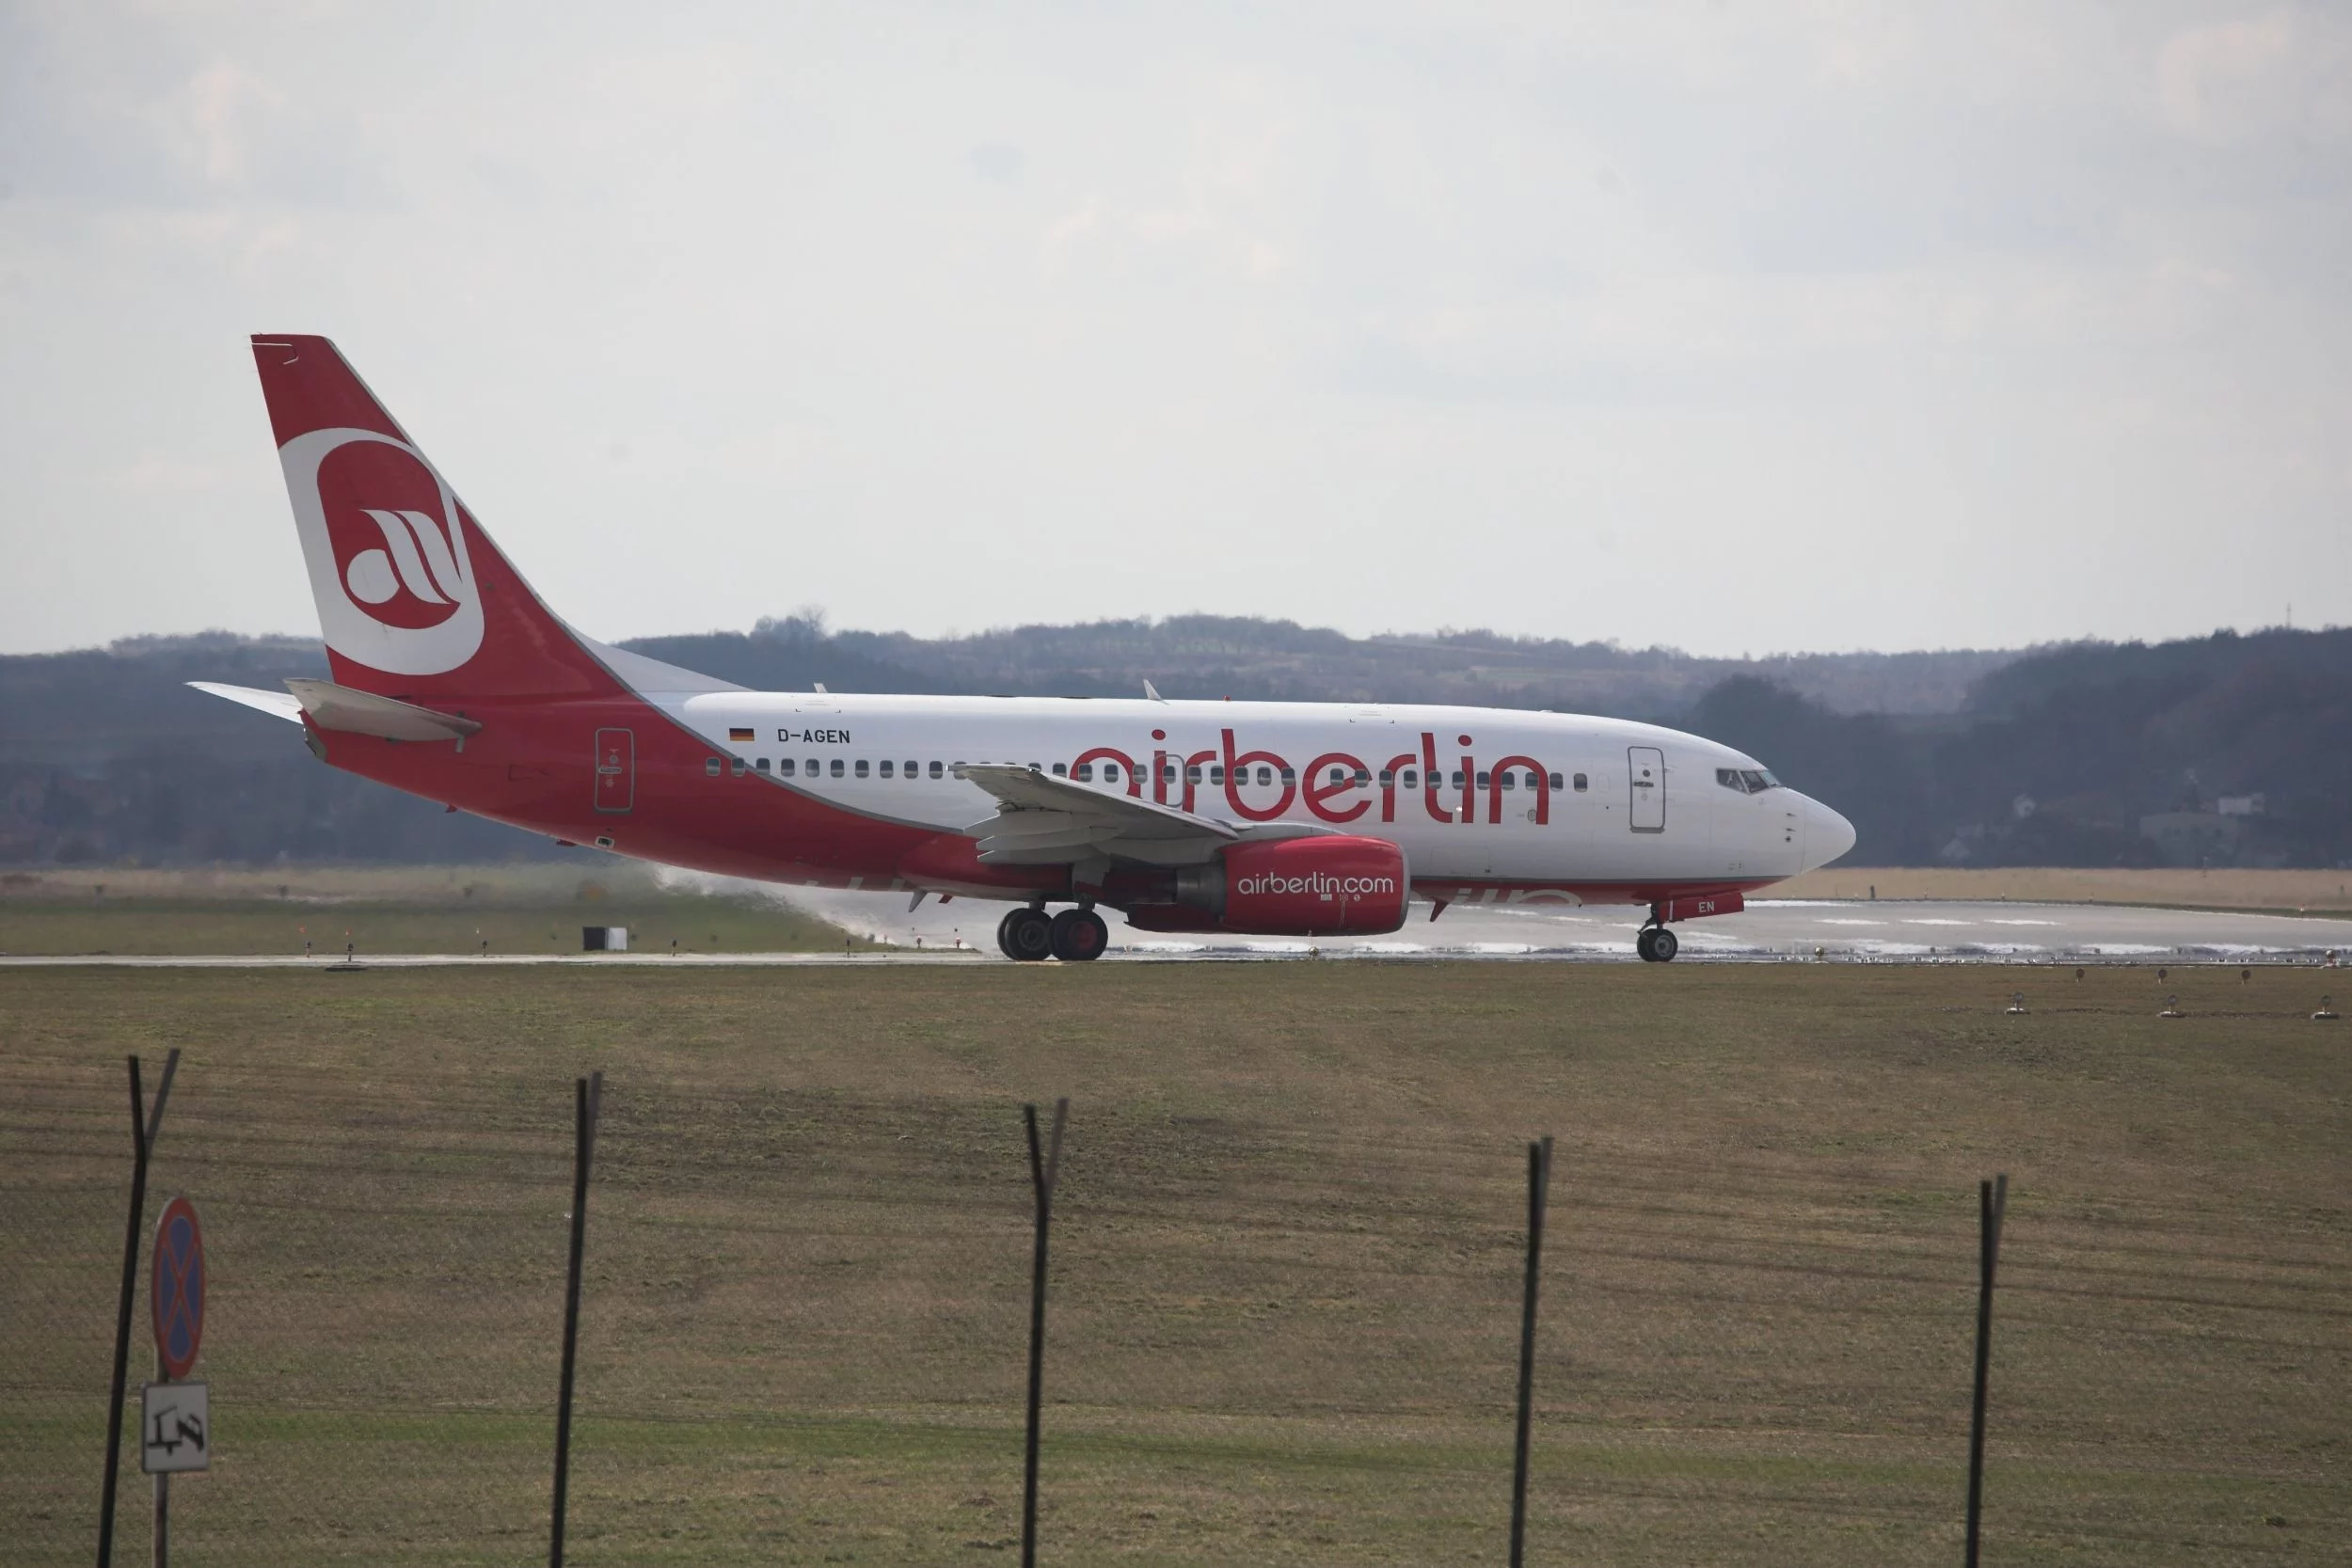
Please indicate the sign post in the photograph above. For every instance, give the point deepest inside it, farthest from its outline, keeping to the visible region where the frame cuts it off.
(175, 1416)
(146, 1122)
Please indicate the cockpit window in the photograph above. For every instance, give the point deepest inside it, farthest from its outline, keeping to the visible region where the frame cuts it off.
(1747, 780)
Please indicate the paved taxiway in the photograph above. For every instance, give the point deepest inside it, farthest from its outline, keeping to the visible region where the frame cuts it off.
(1854, 931)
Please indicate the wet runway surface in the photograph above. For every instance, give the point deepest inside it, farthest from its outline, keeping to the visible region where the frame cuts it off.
(1772, 931)
(1853, 930)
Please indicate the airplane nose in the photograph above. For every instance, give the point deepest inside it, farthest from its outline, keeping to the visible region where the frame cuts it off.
(1827, 835)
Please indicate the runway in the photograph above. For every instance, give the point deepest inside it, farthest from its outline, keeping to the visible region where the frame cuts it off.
(1770, 930)
(1783, 930)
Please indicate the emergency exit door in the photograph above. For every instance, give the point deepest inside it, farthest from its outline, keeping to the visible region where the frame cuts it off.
(616, 769)
(1645, 768)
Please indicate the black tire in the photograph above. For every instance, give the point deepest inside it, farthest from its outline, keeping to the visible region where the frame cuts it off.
(1028, 936)
(1004, 938)
(1079, 936)
(1642, 945)
(1662, 946)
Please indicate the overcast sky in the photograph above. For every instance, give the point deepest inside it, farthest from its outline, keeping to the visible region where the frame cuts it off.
(1738, 326)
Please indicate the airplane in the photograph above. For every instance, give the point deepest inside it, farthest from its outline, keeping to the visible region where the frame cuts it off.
(454, 681)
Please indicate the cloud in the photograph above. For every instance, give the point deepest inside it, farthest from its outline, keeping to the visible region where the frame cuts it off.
(2284, 72)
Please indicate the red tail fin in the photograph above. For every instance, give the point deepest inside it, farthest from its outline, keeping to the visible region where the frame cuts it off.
(414, 600)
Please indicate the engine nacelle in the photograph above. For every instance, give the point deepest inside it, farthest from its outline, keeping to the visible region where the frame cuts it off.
(1294, 887)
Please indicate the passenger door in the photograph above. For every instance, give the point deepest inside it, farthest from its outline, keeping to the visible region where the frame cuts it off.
(1645, 769)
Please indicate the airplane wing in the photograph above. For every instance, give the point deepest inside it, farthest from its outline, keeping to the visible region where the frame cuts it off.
(1045, 820)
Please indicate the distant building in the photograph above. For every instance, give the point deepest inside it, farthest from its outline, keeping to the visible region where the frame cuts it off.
(2239, 805)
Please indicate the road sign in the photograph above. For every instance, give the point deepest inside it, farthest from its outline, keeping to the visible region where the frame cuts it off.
(175, 1428)
(177, 1292)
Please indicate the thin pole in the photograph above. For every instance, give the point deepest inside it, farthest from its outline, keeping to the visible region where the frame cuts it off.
(1538, 1180)
(162, 1534)
(145, 1124)
(586, 1092)
(1043, 1169)
(1992, 1200)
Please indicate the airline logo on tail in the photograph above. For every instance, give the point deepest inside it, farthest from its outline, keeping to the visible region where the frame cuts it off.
(386, 545)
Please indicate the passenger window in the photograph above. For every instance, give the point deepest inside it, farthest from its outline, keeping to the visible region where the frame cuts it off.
(735, 766)
(1579, 783)
(1192, 772)
(937, 770)
(836, 767)
(1216, 772)
(885, 768)
(1265, 775)
(1168, 772)
(783, 768)
(1084, 773)
(1289, 776)
(761, 765)
(912, 769)
(861, 767)
(710, 765)
(1457, 777)
(1412, 778)
(1511, 778)
(1362, 777)
(1388, 779)
(816, 767)
(1484, 779)
(1036, 768)
(1061, 769)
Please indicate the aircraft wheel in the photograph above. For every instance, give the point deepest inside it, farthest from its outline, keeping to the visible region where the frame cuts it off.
(1026, 935)
(1004, 941)
(1642, 945)
(1079, 935)
(1662, 946)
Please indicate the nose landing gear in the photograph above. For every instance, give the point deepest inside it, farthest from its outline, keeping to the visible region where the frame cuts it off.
(1656, 944)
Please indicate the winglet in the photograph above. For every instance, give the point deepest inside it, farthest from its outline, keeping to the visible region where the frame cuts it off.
(1153, 693)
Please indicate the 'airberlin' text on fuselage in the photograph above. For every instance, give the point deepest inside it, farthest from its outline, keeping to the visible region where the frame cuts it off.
(1336, 786)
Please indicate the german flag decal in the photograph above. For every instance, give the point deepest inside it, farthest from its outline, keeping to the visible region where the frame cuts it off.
(739, 734)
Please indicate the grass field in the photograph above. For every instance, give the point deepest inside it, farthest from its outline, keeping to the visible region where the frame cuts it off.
(2223, 888)
(1285, 1270)
(392, 909)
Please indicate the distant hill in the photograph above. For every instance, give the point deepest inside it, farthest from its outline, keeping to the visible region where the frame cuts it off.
(2053, 757)
(2228, 750)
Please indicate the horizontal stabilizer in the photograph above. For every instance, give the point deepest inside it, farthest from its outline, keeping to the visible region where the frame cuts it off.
(277, 704)
(340, 708)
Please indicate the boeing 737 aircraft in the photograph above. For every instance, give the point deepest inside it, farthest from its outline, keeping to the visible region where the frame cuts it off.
(454, 681)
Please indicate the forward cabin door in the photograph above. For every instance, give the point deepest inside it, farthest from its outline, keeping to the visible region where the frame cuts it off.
(1646, 767)
(616, 769)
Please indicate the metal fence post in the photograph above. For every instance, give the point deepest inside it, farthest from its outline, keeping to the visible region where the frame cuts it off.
(1044, 1169)
(586, 1092)
(1538, 1181)
(145, 1124)
(1992, 1200)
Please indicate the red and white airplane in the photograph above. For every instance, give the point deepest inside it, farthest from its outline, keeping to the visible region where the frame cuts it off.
(454, 681)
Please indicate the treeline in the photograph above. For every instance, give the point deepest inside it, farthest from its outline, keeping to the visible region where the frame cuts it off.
(2059, 758)
(2052, 757)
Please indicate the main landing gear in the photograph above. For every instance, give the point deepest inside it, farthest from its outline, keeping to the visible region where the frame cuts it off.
(1656, 944)
(1075, 935)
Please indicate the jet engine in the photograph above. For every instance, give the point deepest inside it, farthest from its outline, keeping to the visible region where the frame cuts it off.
(1297, 887)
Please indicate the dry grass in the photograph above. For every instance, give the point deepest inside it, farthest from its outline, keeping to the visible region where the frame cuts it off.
(388, 910)
(1285, 1268)
(2225, 889)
